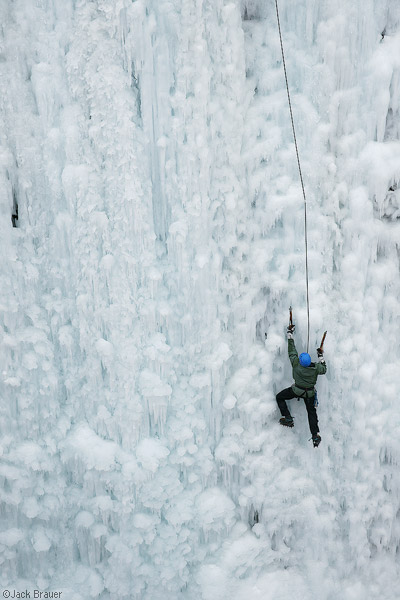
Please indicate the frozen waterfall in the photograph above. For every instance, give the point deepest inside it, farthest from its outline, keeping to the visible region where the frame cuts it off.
(152, 240)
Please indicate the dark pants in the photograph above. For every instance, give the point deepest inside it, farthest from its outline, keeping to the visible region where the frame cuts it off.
(288, 394)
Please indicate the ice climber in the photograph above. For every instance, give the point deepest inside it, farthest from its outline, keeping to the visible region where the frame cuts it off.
(305, 374)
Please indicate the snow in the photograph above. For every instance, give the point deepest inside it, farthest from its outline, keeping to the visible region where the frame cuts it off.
(40, 541)
(11, 537)
(215, 510)
(150, 453)
(144, 296)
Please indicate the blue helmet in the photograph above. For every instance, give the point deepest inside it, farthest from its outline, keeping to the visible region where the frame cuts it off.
(305, 359)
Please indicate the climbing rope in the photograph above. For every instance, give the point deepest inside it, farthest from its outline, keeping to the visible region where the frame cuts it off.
(301, 176)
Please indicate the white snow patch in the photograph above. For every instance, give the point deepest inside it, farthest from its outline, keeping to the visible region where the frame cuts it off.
(83, 444)
(151, 384)
(229, 402)
(151, 453)
(11, 537)
(104, 348)
(40, 541)
(215, 510)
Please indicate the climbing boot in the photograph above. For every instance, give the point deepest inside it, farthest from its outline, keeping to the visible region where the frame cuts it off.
(286, 421)
(316, 440)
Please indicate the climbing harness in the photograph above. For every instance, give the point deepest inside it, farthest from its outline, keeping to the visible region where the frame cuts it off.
(301, 176)
(305, 390)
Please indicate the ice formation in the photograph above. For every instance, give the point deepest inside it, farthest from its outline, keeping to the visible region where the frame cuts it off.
(146, 156)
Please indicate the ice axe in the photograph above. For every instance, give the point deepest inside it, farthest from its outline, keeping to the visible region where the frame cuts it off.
(290, 317)
(321, 348)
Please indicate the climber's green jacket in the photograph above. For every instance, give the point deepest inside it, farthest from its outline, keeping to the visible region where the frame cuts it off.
(304, 377)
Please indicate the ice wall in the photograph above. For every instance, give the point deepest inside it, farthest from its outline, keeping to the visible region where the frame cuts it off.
(159, 238)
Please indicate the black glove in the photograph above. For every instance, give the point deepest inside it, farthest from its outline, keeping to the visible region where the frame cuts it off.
(320, 352)
(290, 332)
